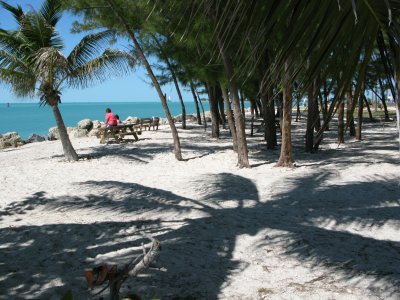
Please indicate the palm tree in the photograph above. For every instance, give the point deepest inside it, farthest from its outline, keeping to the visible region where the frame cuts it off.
(31, 59)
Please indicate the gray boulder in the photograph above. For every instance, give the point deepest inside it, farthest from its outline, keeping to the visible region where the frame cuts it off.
(96, 124)
(78, 133)
(191, 118)
(177, 118)
(94, 132)
(53, 134)
(10, 139)
(85, 124)
(35, 138)
(134, 120)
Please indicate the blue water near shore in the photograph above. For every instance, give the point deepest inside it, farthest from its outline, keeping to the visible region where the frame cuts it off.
(29, 118)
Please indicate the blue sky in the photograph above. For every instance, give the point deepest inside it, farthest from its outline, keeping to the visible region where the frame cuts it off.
(133, 87)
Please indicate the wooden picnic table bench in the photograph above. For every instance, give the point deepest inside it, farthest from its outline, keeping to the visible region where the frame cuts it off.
(118, 132)
(149, 122)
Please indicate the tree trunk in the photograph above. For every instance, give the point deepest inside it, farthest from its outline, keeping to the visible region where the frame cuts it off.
(69, 151)
(349, 114)
(202, 110)
(269, 117)
(325, 110)
(360, 115)
(312, 116)
(119, 13)
(243, 159)
(242, 104)
(298, 95)
(231, 121)
(341, 122)
(267, 103)
(368, 108)
(178, 90)
(286, 158)
(383, 99)
(196, 102)
(221, 109)
(396, 54)
(213, 110)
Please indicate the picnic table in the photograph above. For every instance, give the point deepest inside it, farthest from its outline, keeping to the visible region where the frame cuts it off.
(258, 123)
(118, 132)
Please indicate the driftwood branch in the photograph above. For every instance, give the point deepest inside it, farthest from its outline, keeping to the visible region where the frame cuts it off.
(116, 276)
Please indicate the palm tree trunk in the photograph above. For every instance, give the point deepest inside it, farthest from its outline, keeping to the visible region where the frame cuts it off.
(69, 151)
(286, 157)
(196, 102)
(243, 159)
(119, 13)
(231, 121)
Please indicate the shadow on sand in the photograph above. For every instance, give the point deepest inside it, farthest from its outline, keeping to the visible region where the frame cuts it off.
(198, 252)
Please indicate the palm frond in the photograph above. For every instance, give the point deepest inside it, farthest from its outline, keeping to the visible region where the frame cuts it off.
(21, 82)
(16, 11)
(51, 11)
(88, 47)
(98, 69)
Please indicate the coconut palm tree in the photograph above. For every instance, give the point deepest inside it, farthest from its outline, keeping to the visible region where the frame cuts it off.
(31, 60)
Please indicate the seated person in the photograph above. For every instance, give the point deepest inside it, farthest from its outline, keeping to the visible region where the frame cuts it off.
(119, 121)
(111, 119)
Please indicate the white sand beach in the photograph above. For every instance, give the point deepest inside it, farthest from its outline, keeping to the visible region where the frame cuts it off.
(327, 229)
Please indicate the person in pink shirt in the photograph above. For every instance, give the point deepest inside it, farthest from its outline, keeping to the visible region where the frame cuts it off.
(111, 119)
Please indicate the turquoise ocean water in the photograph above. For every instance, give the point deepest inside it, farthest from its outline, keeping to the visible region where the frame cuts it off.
(29, 118)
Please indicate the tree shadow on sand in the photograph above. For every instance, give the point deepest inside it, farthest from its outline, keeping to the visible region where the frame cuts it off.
(199, 236)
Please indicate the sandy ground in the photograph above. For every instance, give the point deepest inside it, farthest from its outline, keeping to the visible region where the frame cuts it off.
(327, 229)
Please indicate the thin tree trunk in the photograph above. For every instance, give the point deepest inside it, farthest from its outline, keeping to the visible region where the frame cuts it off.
(286, 157)
(231, 121)
(311, 116)
(178, 90)
(341, 122)
(242, 104)
(368, 108)
(349, 114)
(383, 99)
(324, 104)
(396, 54)
(202, 110)
(268, 104)
(269, 117)
(221, 108)
(119, 13)
(69, 151)
(360, 115)
(213, 110)
(243, 159)
(259, 108)
(196, 102)
(298, 113)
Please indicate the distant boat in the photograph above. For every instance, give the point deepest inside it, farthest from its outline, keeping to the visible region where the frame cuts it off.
(169, 98)
(8, 104)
